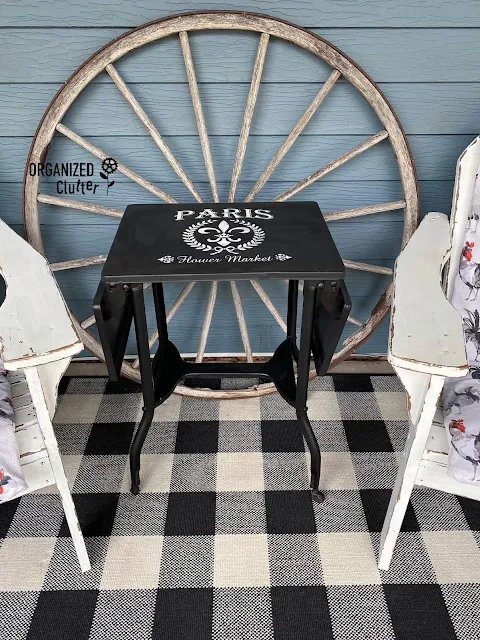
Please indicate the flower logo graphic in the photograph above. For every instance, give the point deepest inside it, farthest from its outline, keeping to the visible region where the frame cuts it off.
(283, 256)
(109, 166)
(167, 259)
(224, 237)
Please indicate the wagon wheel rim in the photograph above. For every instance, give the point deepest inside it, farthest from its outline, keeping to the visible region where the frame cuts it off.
(267, 27)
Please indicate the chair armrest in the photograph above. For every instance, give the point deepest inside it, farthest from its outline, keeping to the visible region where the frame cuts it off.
(426, 332)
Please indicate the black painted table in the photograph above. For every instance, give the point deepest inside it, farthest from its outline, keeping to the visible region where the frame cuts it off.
(184, 242)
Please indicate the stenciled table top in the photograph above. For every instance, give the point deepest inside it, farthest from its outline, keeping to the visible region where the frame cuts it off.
(222, 241)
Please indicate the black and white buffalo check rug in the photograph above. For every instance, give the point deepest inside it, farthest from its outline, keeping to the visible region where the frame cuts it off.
(224, 541)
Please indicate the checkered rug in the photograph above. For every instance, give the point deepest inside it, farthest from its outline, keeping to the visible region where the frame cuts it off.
(224, 541)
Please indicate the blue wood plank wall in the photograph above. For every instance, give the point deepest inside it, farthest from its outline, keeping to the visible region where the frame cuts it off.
(424, 55)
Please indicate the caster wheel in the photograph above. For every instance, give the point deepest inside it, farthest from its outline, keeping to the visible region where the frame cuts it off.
(318, 496)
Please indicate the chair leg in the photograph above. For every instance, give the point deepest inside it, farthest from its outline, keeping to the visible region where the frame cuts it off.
(407, 472)
(36, 391)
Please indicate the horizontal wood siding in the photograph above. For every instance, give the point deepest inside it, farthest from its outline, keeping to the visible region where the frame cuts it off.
(309, 13)
(424, 108)
(62, 50)
(424, 56)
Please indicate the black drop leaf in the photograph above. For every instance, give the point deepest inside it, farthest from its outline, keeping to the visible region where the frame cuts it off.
(110, 183)
(103, 176)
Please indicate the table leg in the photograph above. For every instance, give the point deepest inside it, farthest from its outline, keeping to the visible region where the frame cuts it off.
(147, 385)
(160, 314)
(309, 291)
(292, 317)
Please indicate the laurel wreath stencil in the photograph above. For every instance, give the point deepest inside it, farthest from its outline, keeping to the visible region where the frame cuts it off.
(188, 237)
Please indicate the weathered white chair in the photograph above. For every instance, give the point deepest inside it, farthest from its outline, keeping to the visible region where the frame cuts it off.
(37, 342)
(427, 345)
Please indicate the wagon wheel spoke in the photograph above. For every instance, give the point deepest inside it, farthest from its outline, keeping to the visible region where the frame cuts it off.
(354, 321)
(177, 303)
(91, 320)
(207, 321)
(350, 318)
(378, 312)
(269, 304)
(334, 164)
(152, 130)
(248, 115)
(293, 135)
(81, 206)
(77, 263)
(237, 301)
(179, 300)
(88, 322)
(197, 107)
(88, 146)
(364, 211)
(363, 266)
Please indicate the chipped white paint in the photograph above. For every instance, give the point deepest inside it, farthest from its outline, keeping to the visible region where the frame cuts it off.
(34, 323)
(38, 337)
(426, 332)
(407, 472)
(427, 345)
(38, 397)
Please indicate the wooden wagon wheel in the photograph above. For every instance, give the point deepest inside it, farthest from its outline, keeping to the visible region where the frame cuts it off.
(267, 27)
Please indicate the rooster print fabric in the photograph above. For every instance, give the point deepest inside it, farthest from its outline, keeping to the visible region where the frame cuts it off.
(11, 477)
(461, 396)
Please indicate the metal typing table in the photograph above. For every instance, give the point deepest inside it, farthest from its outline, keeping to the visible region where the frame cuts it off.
(213, 241)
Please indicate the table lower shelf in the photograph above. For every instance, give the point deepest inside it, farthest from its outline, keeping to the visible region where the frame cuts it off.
(169, 368)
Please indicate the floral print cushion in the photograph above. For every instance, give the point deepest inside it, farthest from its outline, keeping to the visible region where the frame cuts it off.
(11, 477)
(461, 396)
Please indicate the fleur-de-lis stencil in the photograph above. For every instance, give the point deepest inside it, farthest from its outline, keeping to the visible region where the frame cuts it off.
(225, 237)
